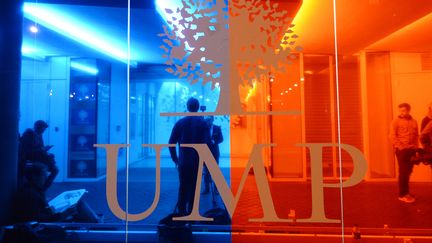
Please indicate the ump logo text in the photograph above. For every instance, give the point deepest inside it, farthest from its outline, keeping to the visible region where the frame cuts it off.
(230, 200)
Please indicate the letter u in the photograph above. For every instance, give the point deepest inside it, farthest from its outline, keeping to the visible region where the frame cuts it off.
(111, 181)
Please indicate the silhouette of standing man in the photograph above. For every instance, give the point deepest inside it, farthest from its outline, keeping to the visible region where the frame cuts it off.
(188, 130)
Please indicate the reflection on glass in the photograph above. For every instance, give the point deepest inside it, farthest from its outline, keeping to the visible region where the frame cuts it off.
(333, 82)
(74, 77)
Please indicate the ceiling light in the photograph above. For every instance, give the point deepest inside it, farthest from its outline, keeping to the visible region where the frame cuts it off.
(75, 29)
(84, 68)
(32, 53)
(34, 29)
(162, 6)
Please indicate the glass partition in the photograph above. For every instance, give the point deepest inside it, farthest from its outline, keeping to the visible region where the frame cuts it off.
(383, 66)
(297, 100)
(74, 79)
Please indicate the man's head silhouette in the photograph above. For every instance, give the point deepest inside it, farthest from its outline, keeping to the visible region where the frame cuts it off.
(192, 105)
(40, 126)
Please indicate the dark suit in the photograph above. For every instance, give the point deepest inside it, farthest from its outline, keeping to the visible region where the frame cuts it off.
(32, 149)
(188, 130)
(216, 138)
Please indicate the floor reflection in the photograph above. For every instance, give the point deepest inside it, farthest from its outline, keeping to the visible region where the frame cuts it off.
(369, 204)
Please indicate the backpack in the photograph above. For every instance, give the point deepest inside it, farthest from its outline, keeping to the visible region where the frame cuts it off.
(174, 231)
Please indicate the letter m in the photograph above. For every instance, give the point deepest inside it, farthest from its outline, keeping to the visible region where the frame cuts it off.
(230, 200)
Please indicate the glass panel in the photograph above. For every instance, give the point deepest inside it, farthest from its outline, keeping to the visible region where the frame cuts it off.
(265, 89)
(74, 78)
(286, 95)
(158, 100)
(378, 72)
(384, 52)
(320, 112)
(295, 108)
(301, 108)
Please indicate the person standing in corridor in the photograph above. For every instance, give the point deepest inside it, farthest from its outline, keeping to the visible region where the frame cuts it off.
(404, 136)
(188, 130)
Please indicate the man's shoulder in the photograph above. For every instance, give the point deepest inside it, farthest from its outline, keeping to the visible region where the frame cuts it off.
(198, 119)
(182, 120)
(28, 133)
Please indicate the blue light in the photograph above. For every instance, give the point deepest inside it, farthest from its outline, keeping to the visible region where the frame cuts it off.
(163, 5)
(34, 29)
(26, 50)
(75, 29)
(84, 68)
(32, 53)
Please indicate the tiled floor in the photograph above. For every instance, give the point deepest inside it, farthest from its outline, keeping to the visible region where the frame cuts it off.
(141, 193)
(369, 204)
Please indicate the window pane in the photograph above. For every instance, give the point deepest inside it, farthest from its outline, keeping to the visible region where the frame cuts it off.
(74, 78)
(158, 100)
(383, 62)
(295, 100)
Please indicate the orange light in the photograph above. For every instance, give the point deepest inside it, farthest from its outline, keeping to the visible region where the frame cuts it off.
(251, 92)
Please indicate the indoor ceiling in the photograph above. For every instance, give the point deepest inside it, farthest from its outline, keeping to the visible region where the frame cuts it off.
(92, 31)
(92, 28)
(361, 24)
(414, 37)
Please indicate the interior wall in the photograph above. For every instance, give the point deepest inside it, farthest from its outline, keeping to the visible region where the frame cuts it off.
(103, 111)
(377, 116)
(139, 128)
(118, 111)
(250, 129)
(350, 110)
(45, 96)
(244, 127)
(286, 130)
(412, 83)
(319, 109)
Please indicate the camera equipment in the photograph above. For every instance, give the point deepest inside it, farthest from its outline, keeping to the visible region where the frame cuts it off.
(423, 155)
(203, 108)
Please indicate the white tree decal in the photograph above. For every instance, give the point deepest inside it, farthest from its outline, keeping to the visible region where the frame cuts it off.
(228, 44)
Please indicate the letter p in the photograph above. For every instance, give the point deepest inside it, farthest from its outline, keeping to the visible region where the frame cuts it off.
(317, 179)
